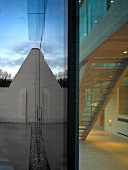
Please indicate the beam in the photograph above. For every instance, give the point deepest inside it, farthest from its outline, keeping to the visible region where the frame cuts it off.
(106, 61)
(93, 87)
(98, 79)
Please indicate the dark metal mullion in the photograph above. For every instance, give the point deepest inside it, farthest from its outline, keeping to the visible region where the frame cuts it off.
(73, 85)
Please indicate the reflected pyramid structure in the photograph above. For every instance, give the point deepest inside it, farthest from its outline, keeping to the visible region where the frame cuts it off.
(20, 99)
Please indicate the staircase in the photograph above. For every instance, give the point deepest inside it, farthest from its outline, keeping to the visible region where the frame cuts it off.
(100, 79)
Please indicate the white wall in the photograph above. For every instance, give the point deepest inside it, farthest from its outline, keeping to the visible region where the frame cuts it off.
(111, 112)
(10, 106)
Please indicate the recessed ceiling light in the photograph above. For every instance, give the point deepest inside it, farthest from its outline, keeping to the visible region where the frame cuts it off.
(125, 52)
(112, 1)
(95, 21)
(85, 34)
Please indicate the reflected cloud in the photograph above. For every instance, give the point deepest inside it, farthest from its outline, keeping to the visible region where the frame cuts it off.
(53, 55)
(23, 48)
(4, 62)
(56, 63)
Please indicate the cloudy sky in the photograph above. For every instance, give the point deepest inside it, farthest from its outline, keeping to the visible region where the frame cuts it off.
(14, 36)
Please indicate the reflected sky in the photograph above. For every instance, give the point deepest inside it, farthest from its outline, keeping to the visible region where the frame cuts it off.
(14, 37)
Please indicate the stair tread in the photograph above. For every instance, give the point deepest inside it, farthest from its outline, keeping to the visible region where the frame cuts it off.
(87, 116)
(81, 121)
(81, 138)
(81, 135)
(81, 128)
(82, 125)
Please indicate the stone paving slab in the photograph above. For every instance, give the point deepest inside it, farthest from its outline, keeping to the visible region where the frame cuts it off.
(103, 151)
(6, 168)
(15, 145)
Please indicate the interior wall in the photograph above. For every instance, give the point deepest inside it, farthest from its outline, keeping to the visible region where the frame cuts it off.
(115, 122)
(123, 101)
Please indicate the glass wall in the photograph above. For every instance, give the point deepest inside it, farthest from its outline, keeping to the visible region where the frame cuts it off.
(33, 49)
(91, 11)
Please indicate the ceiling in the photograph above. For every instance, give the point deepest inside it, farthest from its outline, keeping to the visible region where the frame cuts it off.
(114, 46)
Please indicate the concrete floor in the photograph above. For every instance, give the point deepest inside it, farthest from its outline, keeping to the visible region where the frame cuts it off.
(15, 146)
(103, 151)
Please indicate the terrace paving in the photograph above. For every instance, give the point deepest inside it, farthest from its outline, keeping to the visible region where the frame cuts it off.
(15, 146)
